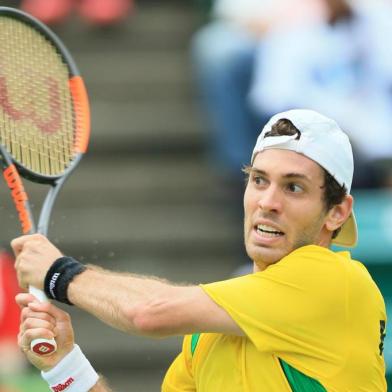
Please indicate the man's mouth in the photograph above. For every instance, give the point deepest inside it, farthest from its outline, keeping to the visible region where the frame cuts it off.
(268, 231)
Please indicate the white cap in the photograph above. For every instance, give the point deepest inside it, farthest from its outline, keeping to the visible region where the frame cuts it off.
(323, 141)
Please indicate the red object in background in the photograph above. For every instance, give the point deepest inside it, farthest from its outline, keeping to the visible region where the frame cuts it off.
(105, 12)
(96, 12)
(48, 11)
(9, 310)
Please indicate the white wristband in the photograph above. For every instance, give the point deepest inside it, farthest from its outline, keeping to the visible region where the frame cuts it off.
(73, 373)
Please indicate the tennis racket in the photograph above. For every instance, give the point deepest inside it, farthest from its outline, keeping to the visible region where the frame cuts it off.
(44, 120)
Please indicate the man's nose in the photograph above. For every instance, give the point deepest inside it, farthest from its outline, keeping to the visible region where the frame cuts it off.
(270, 199)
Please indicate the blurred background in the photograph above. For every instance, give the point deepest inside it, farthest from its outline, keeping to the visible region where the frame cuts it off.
(179, 91)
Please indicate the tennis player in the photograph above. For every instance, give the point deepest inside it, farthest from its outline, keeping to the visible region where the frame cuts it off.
(308, 318)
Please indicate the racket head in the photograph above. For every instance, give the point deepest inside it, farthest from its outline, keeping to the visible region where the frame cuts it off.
(44, 109)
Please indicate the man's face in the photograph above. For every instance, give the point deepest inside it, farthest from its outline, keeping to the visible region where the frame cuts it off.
(283, 205)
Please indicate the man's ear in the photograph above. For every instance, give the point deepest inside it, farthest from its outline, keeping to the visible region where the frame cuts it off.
(339, 213)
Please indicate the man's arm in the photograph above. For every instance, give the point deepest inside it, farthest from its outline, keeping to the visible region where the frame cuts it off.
(148, 306)
(134, 304)
(44, 320)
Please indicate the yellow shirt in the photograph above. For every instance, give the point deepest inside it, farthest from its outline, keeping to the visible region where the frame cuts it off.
(314, 321)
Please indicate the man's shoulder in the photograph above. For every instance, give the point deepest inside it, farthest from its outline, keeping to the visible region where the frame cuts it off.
(313, 257)
(313, 251)
(311, 266)
(320, 263)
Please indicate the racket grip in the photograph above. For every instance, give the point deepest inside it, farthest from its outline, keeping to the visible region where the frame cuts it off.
(42, 347)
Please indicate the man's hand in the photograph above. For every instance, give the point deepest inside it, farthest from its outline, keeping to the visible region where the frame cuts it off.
(34, 254)
(44, 320)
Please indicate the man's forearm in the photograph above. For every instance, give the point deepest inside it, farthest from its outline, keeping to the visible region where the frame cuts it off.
(117, 298)
(148, 306)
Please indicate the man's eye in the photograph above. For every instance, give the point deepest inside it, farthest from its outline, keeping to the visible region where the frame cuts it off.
(294, 188)
(258, 180)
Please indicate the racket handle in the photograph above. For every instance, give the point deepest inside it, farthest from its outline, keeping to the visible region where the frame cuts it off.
(42, 346)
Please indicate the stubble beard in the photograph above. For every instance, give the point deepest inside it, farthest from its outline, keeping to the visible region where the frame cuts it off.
(308, 236)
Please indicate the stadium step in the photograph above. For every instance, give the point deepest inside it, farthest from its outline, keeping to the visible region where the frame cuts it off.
(147, 126)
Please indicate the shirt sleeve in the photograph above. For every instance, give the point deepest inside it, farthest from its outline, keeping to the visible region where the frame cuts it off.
(179, 377)
(296, 306)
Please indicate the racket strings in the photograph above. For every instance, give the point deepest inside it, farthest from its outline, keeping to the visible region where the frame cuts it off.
(37, 118)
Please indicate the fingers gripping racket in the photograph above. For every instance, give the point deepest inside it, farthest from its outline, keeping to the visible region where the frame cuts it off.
(44, 119)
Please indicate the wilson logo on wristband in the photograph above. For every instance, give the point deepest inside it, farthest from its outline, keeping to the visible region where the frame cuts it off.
(52, 284)
(62, 387)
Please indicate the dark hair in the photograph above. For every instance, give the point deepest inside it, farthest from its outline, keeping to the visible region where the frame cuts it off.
(334, 193)
(283, 127)
(339, 10)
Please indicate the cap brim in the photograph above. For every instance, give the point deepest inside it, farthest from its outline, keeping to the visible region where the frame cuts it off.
(348, 236)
